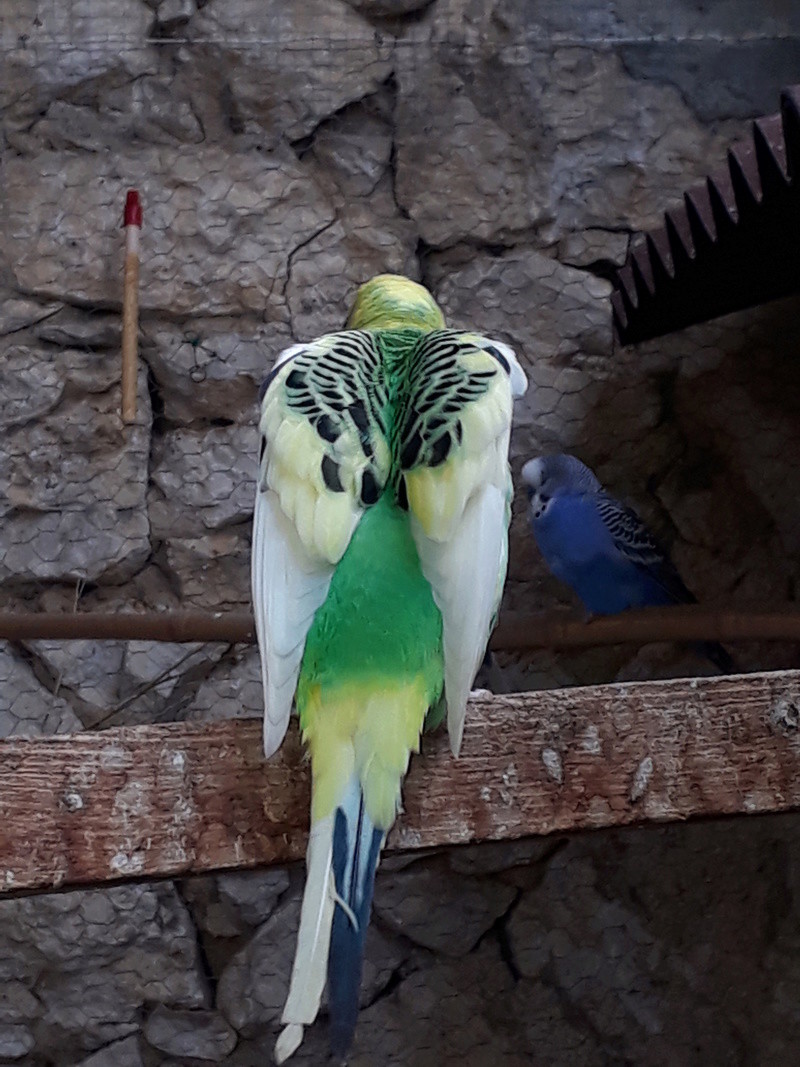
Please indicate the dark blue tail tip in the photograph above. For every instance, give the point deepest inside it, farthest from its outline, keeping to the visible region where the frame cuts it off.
(340, 1038)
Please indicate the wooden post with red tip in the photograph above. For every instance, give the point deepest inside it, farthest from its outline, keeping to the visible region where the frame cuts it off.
(132, 222)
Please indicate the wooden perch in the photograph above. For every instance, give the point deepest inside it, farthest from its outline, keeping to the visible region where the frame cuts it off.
(516, 631)
(160, 801)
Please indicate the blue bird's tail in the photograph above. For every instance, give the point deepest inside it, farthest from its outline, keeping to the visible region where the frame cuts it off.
(357, 844)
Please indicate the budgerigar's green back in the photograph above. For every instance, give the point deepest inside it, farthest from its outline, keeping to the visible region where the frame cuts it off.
(373, 665)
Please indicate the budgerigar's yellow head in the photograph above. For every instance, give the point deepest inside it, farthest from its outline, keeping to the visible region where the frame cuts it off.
(392, 302)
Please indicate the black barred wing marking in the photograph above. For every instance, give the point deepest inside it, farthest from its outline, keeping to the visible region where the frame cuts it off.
(634, 540)
(340, 389)
(445, 374)
(324, 425)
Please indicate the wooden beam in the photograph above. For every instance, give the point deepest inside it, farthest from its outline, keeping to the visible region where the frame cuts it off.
(159, 801)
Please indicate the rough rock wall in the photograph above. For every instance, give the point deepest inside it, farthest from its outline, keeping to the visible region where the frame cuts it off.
(502, 153)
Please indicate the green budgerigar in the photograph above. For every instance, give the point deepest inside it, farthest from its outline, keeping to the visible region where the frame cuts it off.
(379, 554)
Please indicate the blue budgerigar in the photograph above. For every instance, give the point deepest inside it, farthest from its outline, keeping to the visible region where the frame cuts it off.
(600, 547)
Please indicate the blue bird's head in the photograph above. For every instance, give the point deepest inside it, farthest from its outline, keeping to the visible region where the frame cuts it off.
(548, 477)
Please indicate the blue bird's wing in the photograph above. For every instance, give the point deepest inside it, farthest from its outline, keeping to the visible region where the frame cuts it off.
(636, 544)
(634, 541)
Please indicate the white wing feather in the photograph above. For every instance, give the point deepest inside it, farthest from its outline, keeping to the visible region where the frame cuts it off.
(465, 574)
(288, 587)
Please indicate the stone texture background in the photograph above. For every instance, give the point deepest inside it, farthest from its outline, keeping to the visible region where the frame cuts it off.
(503, 153)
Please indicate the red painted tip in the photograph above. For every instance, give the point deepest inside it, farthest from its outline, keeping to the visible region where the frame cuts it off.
(133, 209)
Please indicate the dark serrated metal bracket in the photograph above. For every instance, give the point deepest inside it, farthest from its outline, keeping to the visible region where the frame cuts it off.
(733, 244)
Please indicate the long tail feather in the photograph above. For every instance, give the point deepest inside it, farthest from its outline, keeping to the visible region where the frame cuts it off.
(313, 939)
(356, 849)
